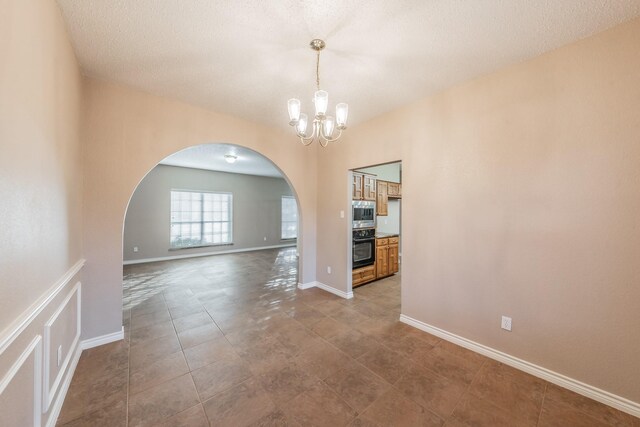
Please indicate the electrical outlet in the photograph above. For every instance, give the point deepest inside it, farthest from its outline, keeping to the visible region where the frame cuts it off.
(341, 214)
(328, 270)
(135, 249)
(59, 355)
(265, 238)
(506, 323)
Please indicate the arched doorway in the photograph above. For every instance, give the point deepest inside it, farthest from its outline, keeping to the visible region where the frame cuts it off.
(196, 216)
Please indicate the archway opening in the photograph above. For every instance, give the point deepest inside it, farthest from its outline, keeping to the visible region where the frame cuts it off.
(205, 225)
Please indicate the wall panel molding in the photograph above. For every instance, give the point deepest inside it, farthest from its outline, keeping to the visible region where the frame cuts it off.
(34, 347)
(21, 323)
(49, 391)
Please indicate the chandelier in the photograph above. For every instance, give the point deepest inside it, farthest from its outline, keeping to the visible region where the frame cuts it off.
(323, 125)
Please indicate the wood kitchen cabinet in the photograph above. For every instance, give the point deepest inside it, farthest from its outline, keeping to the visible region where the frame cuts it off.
(363, 187)
(394, 190)
(357, 186)
(382, 200)
(386, 257)
(394, 266)
(363, 275)
(369, 188)
(386, 190)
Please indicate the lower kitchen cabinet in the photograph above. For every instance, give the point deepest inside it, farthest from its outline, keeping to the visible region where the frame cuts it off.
(363, 275)
(386, 263)
(386, 257)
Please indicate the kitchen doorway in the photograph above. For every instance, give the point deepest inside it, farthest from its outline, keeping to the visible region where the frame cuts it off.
(375, 235)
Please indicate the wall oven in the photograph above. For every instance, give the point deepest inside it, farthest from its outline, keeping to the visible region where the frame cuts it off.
(364, 247)
(364, 214)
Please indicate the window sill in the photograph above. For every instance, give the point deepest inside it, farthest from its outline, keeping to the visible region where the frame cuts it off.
(200, 246)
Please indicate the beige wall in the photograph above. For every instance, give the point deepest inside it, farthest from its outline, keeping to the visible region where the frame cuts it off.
(40, 170)
(256, 211)
(125, 134)
(40, 205)
(521, 196)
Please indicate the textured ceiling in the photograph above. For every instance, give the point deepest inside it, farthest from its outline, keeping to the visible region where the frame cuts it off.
(211, 157)
(247, 57)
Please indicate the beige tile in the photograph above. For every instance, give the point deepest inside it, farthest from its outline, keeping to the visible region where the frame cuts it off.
(286, 383)
(393, 409)
(434, 392)
(319, 406)
(208, 352)
(150, 319)
(219, 376)
(92, 391)
(273, 419)
(243, 405)
(152, 332)
(354, 343)
(322, 359)
(192, 321)
(328, 327)
(161, 402)
(604, 413)
(199, 335)
(473, 411)
(158, 372)
(148, 352)
(556, 414)
(448, 365)
(386, 363)
(112, 415)
(192, 417)
(514, 391)
(357, 385)
(178, 310)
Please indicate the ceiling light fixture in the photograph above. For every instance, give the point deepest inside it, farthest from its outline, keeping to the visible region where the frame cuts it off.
(230, 158)
(323, 125)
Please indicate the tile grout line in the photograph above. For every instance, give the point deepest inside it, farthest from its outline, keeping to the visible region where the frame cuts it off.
(544, 396)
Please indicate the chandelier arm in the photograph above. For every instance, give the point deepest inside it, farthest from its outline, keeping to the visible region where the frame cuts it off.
(331, 139)
(306, 140)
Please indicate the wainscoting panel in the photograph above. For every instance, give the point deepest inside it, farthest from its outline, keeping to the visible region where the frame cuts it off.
(21, 389)
(61, 338)
(38, 355)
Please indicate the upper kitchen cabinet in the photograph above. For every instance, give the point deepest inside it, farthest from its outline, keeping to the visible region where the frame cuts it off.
(364, 187)
(394, 190)
(357, 186)
(386, 190)
(382, 201)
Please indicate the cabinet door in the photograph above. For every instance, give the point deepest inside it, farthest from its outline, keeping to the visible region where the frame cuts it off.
(394, 189)
(382, 261)
(393, 258)
(369, 188)
(357, 186)
(382, 201)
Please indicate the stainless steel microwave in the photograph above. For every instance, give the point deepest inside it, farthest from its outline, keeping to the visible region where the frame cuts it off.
(363, 214)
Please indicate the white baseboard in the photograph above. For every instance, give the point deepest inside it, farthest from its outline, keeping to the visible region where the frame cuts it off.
(579, 387)
(64, 387)
(102, 340)
(306, 285)
(341, 294)
(201, 254)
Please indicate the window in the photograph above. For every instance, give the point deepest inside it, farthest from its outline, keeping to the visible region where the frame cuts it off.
(200, 219)
(289, 218)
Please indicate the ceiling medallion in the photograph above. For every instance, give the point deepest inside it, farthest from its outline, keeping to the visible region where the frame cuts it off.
(323, 125)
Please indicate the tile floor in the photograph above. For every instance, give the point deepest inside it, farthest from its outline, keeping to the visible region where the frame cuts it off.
(229, 340)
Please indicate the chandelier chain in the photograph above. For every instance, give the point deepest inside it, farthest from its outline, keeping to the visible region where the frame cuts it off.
(318, 71)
